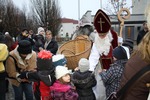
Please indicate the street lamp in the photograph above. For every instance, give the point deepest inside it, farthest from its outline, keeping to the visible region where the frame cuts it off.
(101, 4)
(78, 11)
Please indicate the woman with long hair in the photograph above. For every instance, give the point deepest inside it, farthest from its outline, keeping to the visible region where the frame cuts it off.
(139, 59)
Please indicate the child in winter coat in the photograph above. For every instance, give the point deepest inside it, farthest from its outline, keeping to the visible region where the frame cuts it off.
(45, 68)
(84, 80)
(43, 77)
(61, 89)
(112, 76)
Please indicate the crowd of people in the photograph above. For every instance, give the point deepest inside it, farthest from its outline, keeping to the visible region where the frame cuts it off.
(34, 69)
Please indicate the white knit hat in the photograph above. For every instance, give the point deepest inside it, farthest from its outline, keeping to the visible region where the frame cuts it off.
(6, 33)
(61, 71)
(40, 29)
(59, 60)
(83, 65)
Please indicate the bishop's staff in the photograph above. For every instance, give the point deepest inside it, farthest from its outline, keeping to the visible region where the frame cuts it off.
(122, 18)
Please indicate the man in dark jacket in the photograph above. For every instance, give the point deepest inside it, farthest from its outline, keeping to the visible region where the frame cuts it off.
(142, 33)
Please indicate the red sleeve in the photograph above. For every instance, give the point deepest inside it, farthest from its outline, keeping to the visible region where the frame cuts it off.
(115, 38)
(14, 46)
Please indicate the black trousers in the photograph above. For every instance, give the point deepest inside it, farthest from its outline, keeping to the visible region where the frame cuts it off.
(2, 89)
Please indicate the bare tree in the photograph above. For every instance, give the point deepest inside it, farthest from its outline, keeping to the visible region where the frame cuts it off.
(13, 19)
(47, 14)
(2, 12)
(114, 6)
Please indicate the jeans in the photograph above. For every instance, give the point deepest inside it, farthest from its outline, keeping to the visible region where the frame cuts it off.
(23, 88)
(2, 89)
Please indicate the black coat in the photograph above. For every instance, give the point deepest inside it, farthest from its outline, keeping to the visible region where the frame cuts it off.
(52, 47)
(140, 36)
(39, 42)
(46, 76)
(43, 76)
(84, 82)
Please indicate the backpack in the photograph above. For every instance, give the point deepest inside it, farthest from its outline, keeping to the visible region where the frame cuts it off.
(3, 56)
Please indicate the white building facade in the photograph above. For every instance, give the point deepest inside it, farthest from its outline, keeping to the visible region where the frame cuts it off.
(68, 27)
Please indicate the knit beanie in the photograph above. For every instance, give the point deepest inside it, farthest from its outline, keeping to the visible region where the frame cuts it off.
(59, 59)
(44, 60)
(61, 71)
(83, 65)
(3, 56)
(119, 53)
(40, 29)
(24, 47)
(6, 33)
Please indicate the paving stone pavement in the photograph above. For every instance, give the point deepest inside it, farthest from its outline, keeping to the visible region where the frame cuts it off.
(10, 93)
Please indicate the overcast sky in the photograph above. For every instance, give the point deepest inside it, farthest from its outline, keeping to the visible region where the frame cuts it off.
(69, 8)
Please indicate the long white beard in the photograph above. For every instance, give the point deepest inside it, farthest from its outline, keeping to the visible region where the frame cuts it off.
(103, 45)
